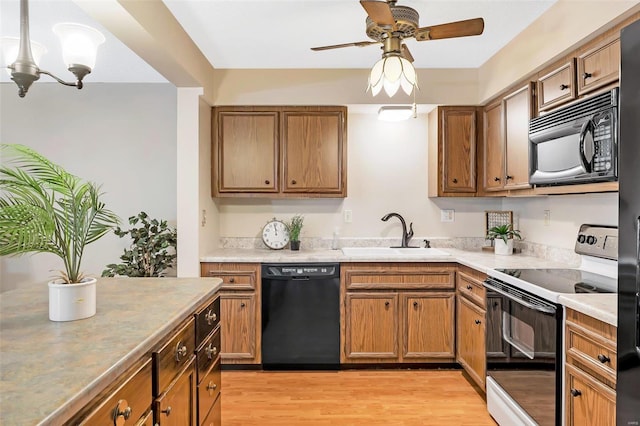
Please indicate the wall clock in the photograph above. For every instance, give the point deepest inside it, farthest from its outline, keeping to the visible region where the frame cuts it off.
(275, 234)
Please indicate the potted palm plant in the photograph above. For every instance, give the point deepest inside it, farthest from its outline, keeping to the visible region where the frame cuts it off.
(45, 209)
(502, 237)
(295, 226)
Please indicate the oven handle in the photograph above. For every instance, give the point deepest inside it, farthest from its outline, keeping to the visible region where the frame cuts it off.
(545, 309)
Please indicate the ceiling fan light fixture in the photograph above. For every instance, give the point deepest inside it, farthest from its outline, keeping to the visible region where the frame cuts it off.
(9, 47)
(79, 44)
(391, 73)
(396, 112)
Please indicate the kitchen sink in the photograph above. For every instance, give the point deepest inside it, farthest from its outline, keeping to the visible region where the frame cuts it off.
(393, 251)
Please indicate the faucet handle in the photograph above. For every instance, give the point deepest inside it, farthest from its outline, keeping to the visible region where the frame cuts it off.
(427, 244)
(410, 233)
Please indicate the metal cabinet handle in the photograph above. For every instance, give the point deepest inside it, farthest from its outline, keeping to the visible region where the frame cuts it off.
(469, 287)
(575, 392)
(181, 351)
(415, 304)
(455, 180)
(564, 87)
(212, 386)
(266, 182)
(232, 280)
(293, 182)
(123, 410)
(167, 411)
(507, 177)
(496, 179)
(210, 317)
(386, 303)
(242, 305)
(587, 75)
(478, 322)
(603, 358)
(211, 351)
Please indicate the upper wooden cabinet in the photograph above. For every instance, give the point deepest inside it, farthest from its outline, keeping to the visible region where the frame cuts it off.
(557, 85)
(506, 141)
(452, 151)
(278, 152)
(598, 64)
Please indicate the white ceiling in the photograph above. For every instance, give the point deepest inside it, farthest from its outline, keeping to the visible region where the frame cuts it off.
(280, 33)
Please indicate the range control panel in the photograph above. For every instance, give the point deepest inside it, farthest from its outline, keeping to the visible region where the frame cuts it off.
(598, 241)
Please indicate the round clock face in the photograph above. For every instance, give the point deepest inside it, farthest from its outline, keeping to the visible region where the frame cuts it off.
(275, 234)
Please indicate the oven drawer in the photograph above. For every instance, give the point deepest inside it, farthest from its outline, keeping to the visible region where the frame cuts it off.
(591, 345)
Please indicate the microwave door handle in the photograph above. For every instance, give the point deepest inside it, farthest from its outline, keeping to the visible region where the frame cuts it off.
(587, 147)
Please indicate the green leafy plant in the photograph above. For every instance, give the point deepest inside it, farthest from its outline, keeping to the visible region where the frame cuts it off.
(45, 209)
(295, 226)
(152, 251)
(503, 232)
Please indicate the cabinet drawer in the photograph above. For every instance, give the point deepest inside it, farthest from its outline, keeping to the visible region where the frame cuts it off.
(397, 276)
(132, 400)
(207, 319)
(208, 354)
(591, 352)
(235, 276)
(557, 86)
(214, 418)
(208, 390)
(177, 405)
(173, 356)
(599, 66)
(471, 288)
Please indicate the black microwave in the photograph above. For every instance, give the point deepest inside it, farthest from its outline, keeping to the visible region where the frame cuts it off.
(576, 144)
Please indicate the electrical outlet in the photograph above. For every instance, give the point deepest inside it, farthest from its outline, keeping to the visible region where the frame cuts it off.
(447, 215)
(348, 216)
(204, 218)
(547, 217)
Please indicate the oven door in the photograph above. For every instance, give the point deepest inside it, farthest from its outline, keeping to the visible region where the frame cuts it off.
(524, 343)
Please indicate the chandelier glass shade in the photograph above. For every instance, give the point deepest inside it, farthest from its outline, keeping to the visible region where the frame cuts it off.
(392, 72)
(21, 56)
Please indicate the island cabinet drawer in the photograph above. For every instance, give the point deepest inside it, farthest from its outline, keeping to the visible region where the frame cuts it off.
(235, 276)
(469, 284)
(207, 319)
(398, 276)
(208, 391)
(208, 354)
(591, 349)
(126, 405)
(171, 358)
(214, 418)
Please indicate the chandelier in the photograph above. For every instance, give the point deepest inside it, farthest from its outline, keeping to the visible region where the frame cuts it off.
(22, 56)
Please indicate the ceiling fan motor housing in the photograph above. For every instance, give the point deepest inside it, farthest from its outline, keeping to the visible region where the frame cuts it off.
(406, 22)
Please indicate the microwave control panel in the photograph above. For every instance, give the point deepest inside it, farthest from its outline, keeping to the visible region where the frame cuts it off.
(603, 141)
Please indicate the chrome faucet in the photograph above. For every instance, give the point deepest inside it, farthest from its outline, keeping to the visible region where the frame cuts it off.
(406, 236)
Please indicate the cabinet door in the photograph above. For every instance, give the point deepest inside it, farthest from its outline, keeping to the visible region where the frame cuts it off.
(493, 148)
(371, 326)
(517, 113)
(177, 406)
(557, 86)
(588, 402)
(238, 328)
(458, 148)
(314, 151)
(428, 325)
(471, 340)
(246, 152)
(599, 66)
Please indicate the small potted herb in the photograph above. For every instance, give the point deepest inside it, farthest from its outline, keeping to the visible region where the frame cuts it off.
(295, 226)
(502, 237)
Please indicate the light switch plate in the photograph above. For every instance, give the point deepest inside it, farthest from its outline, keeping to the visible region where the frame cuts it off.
(447, 215)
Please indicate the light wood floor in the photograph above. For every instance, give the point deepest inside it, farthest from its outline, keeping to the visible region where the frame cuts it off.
(351, 397)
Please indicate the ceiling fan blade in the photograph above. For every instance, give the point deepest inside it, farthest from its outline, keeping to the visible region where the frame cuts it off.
(406, 53)
(379, 12)
(469, 27)
(338, 46)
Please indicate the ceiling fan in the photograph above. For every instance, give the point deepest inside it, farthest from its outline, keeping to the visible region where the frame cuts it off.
(390, 24)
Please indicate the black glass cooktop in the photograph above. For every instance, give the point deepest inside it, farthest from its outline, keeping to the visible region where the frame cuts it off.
(565, 280)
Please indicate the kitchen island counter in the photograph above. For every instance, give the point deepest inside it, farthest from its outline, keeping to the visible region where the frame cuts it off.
(50, 370)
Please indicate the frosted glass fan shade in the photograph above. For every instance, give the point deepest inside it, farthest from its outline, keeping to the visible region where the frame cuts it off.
(9, 50)
(391, 73)
(79, 43)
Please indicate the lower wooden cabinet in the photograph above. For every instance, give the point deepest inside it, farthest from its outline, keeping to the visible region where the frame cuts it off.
(397, 313)
(176, 406)
(470, 337)
(590, 371)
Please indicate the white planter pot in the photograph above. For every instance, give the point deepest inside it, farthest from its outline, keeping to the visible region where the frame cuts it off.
(69, 302)
(502, 248)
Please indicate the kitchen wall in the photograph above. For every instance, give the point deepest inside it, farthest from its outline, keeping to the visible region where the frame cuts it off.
(120, 135)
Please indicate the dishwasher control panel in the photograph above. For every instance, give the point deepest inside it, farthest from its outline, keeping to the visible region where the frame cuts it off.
(293, 270)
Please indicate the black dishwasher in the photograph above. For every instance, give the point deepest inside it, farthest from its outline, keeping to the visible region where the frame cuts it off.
(301, 316)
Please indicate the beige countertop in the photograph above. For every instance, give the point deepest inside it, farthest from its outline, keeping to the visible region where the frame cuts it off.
(49, 370)
(601, 306)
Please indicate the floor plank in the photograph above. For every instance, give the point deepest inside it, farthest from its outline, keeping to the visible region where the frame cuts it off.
(351, 397)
